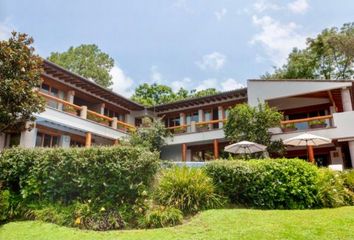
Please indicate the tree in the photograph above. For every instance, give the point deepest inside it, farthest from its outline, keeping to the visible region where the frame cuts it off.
(205, 92)
(330, 55)
(155, 94)
(88, 61)
(246, 123)
(20, 74)
(152, 134)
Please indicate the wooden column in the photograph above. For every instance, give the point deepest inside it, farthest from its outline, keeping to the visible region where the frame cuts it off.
(184, 152)
(116, 141)
(310, 154)
(88, 139)
(216, 149)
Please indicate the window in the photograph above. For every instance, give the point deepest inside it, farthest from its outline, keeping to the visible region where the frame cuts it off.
(51, 91)
(47, 140)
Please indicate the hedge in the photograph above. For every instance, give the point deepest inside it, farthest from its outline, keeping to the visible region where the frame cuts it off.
(112, 175)
(270, 183)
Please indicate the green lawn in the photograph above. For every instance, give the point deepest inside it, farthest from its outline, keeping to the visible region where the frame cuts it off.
(214, 224)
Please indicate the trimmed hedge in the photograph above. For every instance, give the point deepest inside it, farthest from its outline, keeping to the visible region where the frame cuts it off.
(270, 183)
(102, 175)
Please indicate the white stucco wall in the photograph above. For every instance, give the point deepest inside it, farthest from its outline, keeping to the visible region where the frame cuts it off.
(196, 137)
(259, 90)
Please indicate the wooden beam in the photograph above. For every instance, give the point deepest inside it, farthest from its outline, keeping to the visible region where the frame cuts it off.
(311, 154)
(184, 152)
(88, 139)
(332, 100)
(216, 149)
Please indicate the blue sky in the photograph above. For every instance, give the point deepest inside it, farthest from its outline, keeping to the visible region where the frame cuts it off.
(193, 44)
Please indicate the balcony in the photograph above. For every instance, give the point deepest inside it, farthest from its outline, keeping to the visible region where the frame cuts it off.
(88, 115)
(306, 124)
(197, 127)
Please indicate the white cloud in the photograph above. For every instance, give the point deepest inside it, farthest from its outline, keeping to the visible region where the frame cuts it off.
(277, 39)
(225, 85)
(231, 84)
(155, 75)
(220, 14)
(263, 5)
(5, 30)
(184, 83)
(122, 84)
(214, 61)
(183, 4)
(299, 6)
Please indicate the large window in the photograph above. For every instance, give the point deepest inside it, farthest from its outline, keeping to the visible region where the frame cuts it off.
(51, 91)
(47, 140)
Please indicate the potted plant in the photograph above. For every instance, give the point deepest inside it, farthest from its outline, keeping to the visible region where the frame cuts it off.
(202, 127)
(98, 119)
(70, 109)
(179, 130)
(317, 124)
(289, 127)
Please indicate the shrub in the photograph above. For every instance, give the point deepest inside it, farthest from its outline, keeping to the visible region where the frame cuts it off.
(4, 204)
(349, 180)
(270, 183)
(187, 189)
(109, 175)
(162, 217)
(332, 191)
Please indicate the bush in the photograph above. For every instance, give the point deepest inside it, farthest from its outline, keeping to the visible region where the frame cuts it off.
(332, 191)
(109, 175)
(349, 180)
(162, 217)
(270, 183)
(4, 204)
(187, 189)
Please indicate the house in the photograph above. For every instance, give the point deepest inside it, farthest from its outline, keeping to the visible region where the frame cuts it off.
(81, 113)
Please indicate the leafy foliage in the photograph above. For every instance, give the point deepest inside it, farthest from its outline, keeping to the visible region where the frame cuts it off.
(271, 183)
(103, 175)
(330, 55)
(152, 135)
(252, 124)
(4, 204)
(349, 180)
(332, 190)
(162, 217)
(20, 74)
(155, 94)
(88, 61)
(187, 189)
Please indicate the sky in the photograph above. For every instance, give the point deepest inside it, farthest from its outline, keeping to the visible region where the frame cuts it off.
(195, 44)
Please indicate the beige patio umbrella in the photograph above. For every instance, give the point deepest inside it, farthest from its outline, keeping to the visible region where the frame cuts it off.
(307, 140)
(245, 147)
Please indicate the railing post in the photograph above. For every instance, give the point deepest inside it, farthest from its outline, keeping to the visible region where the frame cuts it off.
(70, 96)
(221, 116)
(114, 123)
(83, 112)
(193, 127)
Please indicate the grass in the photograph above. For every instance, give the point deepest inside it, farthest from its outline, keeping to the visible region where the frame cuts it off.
(213, 224)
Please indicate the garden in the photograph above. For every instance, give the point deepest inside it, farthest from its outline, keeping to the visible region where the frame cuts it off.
(127, 187)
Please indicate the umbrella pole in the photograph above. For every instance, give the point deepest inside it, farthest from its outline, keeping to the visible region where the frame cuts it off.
(310, 154)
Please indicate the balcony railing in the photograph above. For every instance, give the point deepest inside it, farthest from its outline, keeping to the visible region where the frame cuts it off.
(307, 123)
(83, 112)
(197, 126)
